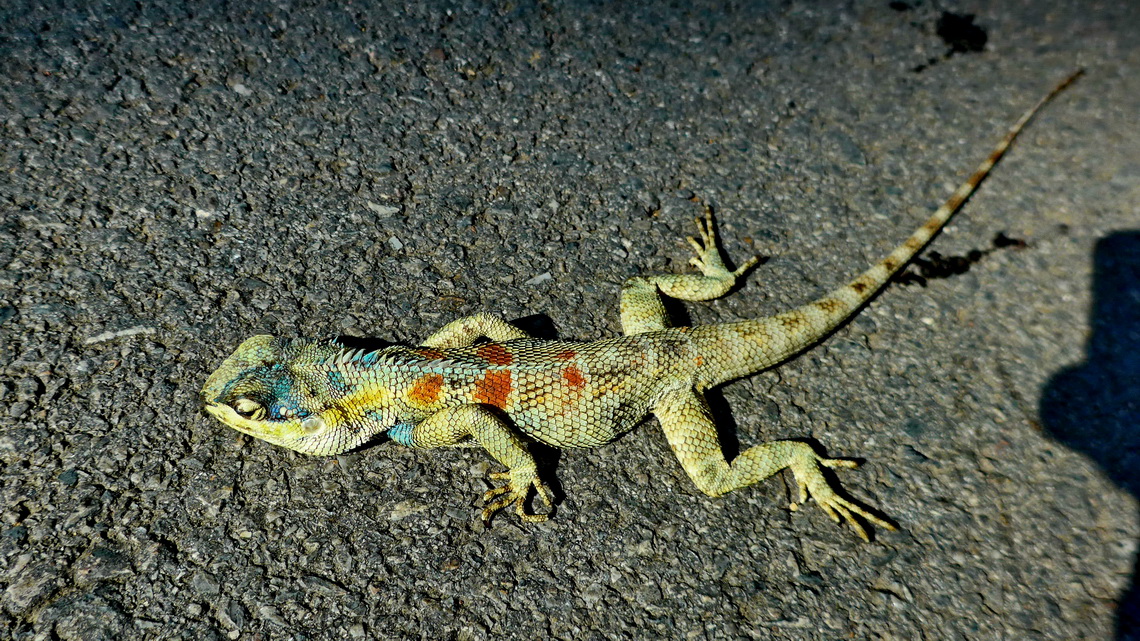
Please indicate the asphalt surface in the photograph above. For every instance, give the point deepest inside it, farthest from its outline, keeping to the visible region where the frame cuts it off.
(176, 180)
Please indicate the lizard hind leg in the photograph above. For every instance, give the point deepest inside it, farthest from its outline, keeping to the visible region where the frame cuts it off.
(641, 307)
(684, 416)
(463, 332)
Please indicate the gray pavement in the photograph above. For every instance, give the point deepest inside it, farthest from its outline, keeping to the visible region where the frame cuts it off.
(176, 180)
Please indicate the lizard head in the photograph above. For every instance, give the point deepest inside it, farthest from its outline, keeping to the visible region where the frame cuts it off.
(262, 390)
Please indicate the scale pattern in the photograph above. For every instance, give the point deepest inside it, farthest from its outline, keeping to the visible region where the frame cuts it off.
(481, 381)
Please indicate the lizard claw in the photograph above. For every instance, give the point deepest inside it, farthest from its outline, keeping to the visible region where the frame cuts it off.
(836, 506)
(515, 491)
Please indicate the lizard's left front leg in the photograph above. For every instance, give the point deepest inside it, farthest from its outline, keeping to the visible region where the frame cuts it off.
(452, 425)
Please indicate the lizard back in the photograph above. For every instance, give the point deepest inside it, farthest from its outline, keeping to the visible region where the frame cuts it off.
(569, 394)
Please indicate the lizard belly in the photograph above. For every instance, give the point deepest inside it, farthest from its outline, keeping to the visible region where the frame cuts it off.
(582, 423)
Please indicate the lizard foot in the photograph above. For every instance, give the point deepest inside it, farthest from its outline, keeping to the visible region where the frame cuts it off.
(515, 491)
(811, 480)
(708, 258)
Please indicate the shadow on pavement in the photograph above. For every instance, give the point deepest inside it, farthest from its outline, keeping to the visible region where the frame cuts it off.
(1094, 407)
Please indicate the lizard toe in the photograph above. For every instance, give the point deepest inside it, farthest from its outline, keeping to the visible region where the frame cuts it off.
(515, 491)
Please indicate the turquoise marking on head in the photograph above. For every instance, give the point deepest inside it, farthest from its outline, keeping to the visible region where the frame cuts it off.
(280, 411)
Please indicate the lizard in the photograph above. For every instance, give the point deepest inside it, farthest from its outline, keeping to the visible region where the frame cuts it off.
(480, 381)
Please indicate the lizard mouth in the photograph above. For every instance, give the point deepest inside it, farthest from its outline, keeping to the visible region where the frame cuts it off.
(310, 436)
(230, 417)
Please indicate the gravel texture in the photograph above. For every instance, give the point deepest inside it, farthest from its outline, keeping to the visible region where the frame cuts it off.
(176, 180)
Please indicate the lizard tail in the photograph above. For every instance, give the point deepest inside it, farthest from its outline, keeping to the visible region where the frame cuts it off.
(732, 350)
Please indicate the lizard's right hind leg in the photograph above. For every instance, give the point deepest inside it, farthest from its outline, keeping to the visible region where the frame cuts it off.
(688, 426)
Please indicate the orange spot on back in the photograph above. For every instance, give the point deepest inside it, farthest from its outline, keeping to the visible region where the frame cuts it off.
(493, 387)
(494, 354)
(573, 377)
(565, 356)
(699, 360)
(425, 391)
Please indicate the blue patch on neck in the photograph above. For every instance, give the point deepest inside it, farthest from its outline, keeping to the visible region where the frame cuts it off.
(402, 434)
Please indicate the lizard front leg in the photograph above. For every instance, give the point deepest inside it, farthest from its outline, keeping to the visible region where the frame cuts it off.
(450, 426)
(641, 306)
(465, 331)
(684, 416)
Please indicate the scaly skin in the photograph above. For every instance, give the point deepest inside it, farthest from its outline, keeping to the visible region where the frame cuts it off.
(317, 397)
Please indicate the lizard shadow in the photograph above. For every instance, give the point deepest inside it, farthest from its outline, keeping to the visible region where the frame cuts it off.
(1094, 406)
(538, 326)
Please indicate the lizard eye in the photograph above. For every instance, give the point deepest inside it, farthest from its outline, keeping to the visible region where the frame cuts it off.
(249, 409)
